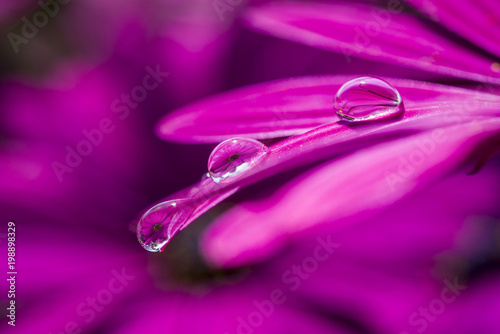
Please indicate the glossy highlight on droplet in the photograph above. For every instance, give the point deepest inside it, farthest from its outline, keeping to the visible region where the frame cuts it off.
(233, 157)
(160, 223)
(368, 99)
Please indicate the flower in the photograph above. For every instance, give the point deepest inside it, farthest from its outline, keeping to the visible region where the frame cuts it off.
(363, 183)
(362, 228)
(290, 96)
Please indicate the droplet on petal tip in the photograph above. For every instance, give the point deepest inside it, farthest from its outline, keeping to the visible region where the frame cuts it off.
(162, 222)
(368, 99)
(233, 157)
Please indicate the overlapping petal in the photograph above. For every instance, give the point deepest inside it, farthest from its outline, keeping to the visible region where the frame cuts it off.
(476, 20)
(292, 106)
(359, 185)
(382, 34)
(333, 140)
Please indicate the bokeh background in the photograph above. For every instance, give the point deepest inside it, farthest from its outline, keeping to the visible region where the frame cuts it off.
(80, 267)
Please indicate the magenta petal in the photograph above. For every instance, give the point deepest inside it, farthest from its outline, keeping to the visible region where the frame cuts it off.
(330, 140)
(358, 185)
(374, 33)
(476, 20)
(275, 109)
(433, 106)
(287, 107)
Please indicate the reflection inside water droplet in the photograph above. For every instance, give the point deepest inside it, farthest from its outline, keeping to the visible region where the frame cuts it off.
(160, 223)
(234, 156)
(367, 98)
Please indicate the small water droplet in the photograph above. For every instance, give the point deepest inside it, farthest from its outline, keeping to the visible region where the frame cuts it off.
(367, 99)
(160, 223)
(234, 156)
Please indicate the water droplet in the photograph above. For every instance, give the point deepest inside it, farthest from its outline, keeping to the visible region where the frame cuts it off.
(367, 98)
(234, 156)
(160, 223)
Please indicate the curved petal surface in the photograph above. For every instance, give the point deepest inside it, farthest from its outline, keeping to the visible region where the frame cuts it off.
(292, 106)
(357, 186)
(383, 34)
(478, 20)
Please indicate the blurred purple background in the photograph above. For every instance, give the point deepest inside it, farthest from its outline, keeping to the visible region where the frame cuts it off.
(105, 72)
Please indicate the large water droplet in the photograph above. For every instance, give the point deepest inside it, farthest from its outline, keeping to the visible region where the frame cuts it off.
(367, 98)
(160, 223)
(234, 156)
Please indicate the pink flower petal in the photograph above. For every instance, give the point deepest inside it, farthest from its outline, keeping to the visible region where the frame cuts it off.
(358, 186)
(287, 107)
(476, 20)
(382, 34)
(326, 142)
